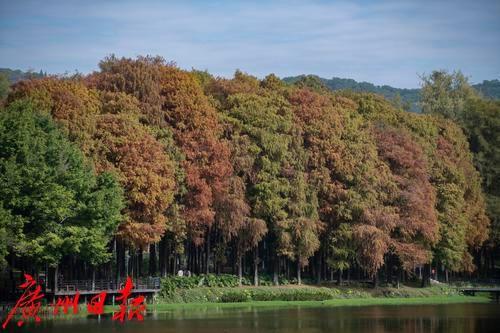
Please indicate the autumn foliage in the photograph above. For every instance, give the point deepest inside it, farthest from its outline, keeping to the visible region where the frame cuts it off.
(218, 172)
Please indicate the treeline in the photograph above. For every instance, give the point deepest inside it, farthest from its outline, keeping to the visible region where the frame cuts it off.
(408, 99)
(143, 159)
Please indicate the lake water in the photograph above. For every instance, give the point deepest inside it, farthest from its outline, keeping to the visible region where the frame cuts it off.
(385, 318)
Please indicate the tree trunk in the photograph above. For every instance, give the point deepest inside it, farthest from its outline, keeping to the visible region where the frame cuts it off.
(299, 268)
(426, 280)
(93, 277)
(162, 257)
(174, 264)
(318, 270)
(375, 280)
(152, 259)
(276, 266)
(130, 263)
(139, 263)
(195, 260)
(256, 267)
(120, 260)
(56, 273)
(339, 280)
(207, 254)
(240, 271)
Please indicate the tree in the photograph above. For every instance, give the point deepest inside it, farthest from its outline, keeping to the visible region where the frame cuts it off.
(173, 101)
(345, 169)
(4, 86)
(299, 235)
(266, 121)
(416, 227)
(50, 192)
(446, 94)
(145, 171)
(342, 250)
(482, 127)
(235, 220)
(10, 230)
(461, 206)
(70, 102)
(451, 96)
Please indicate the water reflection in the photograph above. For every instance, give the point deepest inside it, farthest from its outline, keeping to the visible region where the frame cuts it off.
(418, 318)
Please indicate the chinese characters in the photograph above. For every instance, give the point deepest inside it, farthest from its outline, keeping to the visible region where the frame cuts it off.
(29, 304)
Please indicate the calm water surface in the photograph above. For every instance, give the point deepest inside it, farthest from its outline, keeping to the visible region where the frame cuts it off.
(386, 318)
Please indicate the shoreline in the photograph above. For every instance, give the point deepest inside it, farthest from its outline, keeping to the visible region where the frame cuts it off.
(350, 302)
(184, 310)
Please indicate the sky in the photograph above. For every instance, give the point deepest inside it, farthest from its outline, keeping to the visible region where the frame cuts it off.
(383, 42)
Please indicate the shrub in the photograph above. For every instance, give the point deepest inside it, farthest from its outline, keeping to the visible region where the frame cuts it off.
(171, 284)
(235, 296)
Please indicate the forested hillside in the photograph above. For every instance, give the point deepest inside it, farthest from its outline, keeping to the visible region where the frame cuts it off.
(408, 98)
(489, 89)
(144, 160)
(17, 75)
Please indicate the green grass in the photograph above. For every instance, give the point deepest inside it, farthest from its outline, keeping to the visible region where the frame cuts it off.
(304, 296)
(440, 299)
(362, 299)
(296, 293)
(293, 295)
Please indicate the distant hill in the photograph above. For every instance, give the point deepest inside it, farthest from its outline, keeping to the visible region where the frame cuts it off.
(489, 88)
(411, 97)
(17, 75)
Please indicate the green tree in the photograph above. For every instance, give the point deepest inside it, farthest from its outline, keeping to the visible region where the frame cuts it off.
(342, 249)
(446, 94)
(51, 193)
(4, 86)
(482, 127)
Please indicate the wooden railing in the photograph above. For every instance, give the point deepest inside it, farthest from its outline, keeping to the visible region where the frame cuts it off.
(151, 283)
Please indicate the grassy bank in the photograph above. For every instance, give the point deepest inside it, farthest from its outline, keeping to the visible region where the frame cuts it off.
(191, 296)
(164, 307)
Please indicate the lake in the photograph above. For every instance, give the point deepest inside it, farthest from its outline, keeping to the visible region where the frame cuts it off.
(385, 318)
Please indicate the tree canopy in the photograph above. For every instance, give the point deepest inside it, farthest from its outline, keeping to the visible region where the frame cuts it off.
(209, 174)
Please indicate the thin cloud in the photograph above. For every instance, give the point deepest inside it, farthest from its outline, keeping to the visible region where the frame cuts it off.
(385, 42)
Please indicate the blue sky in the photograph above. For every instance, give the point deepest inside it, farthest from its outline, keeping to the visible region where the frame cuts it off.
(384, 42)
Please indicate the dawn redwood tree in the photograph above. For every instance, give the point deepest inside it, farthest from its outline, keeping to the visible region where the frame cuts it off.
(463, 221)
(346, 173)
(342, 251)
(106, 127)
(451, 96)
(266, 121)
(236, 224)
(217, 168)
(299, 236)
(173, 100)
(145, 172)
(459, 202)
(416, 227)
(482, 127)
(235, 221)
(68, 101)
(197, 131)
